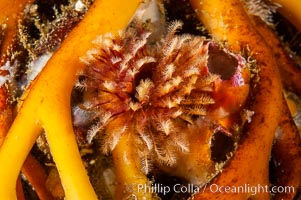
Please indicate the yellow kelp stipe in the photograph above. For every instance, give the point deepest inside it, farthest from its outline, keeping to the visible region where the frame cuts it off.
(47, 105)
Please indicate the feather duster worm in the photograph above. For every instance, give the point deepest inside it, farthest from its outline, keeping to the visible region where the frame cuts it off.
(158, 92)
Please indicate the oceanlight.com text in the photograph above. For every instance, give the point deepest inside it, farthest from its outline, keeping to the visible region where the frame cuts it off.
(251, 189)
(214, 188)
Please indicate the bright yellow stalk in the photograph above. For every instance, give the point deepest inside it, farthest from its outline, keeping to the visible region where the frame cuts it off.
(291, 9)
(47, 105)
(130, 178)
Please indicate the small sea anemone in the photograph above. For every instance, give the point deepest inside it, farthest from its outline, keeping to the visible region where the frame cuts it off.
(155, 90)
